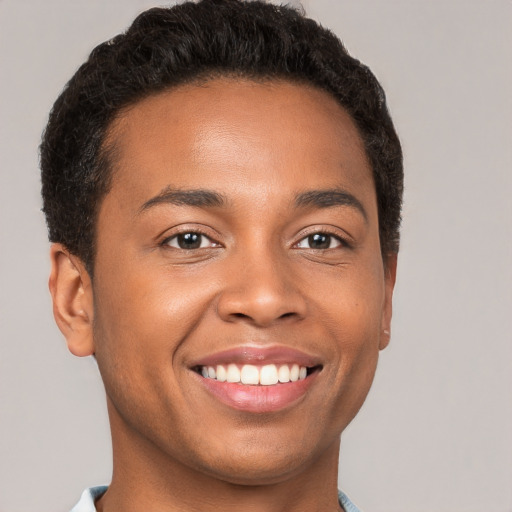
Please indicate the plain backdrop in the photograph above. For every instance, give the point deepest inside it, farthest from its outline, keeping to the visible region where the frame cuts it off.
(436, 431)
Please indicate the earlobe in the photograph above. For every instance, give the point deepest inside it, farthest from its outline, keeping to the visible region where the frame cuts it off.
(71, 290)
(389, 284)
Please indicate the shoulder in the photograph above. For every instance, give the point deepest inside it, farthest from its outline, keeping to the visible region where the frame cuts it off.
(346, 503)
(89, 496)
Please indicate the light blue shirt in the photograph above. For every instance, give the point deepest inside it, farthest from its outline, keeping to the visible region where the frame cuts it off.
(89, 496)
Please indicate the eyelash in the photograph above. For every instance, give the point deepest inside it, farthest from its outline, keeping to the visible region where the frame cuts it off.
(167, 241)
(341, 242)
(330, 236)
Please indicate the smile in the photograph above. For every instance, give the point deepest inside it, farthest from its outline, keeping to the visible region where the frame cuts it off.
(258, 380)
(252, 375)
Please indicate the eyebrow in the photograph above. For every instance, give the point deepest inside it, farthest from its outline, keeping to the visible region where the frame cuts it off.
(329, 198)
(199, 198)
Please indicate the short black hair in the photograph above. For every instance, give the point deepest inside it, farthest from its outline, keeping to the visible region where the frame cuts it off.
(166, 47)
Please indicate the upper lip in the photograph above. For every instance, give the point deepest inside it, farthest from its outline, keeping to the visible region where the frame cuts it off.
(258, 355)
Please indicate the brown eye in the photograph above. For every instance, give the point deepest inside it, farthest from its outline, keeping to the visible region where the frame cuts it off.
(319, 241)
(190, 241)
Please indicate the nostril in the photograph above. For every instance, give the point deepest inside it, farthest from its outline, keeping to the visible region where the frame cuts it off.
(259, 308)
(244, 316)
(240, 315)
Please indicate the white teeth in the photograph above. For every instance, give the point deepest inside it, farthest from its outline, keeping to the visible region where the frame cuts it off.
(294, 373)
(249, 374)
(233, 373)
(267, 375)
(284, 373)
(221, 373)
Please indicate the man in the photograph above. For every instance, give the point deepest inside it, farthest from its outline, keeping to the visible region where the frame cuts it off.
(222, 185)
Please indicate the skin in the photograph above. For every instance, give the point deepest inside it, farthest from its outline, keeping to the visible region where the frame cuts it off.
(153, 308)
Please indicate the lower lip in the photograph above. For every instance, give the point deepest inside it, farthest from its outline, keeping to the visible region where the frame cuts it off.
(258, 399)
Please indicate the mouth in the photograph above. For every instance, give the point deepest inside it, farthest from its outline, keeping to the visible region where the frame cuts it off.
(256, 375)
(257, 380)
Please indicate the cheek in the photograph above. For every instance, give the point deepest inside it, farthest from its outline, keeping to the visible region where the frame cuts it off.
(355, 308)
(352, 300)
(358, 337)
(142, 318)
(140, 322)
(360, 330)
(148, 303)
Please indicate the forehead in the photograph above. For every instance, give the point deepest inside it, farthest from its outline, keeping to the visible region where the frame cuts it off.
(238, 135)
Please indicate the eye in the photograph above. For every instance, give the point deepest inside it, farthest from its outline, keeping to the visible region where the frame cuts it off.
(320, 241)
(189, 241)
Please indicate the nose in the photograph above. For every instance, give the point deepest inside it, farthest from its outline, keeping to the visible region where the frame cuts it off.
(261, 290)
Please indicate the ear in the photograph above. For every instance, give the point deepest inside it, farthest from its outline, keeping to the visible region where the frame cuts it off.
(387, 310)
(71, 289)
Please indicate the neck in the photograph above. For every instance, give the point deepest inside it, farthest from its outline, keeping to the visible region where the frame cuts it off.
(145, 478)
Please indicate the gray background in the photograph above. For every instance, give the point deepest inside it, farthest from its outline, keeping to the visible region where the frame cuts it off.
(436, 431)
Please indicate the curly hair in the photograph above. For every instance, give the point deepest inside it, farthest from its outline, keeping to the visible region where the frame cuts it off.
(166, 47)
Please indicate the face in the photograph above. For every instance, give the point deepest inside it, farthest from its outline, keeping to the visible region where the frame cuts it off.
(239, 299)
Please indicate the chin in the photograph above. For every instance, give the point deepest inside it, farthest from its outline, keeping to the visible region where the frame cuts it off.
(254, 472)
(264, 463)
